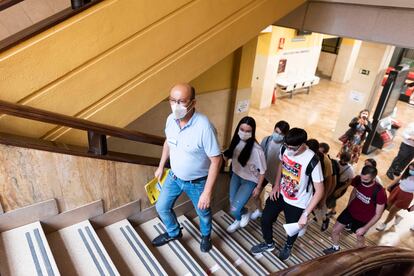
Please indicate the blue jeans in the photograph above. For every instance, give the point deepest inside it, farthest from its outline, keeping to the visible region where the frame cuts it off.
(240, 192)
(171, 190)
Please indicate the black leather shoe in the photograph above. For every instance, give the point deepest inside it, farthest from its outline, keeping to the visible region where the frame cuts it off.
(205, 244)
(390, 175)
(165, 238)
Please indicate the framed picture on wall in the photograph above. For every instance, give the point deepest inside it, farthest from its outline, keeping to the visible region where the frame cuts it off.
(282, 66)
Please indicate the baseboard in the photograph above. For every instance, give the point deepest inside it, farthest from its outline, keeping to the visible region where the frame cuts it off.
(29, 214)
(73, 216)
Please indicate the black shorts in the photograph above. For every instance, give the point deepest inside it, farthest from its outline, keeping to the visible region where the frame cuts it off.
(346, 218)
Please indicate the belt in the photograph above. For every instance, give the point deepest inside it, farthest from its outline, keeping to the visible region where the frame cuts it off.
(194, 180)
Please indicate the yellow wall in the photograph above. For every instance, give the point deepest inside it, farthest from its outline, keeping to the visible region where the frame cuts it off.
(110, 65)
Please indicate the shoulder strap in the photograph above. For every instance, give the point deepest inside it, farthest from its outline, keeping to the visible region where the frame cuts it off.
(266, 145)
(282, 150)
(309, 169)
(349, 166)
(375, 193)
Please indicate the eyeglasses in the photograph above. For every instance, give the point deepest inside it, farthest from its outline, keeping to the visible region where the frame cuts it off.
(294, 148)
(180, 102)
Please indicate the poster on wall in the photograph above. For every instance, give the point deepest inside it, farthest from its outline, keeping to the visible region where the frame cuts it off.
(242, 106)
(282, 66)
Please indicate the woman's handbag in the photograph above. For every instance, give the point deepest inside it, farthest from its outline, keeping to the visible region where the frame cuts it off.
(343, 138)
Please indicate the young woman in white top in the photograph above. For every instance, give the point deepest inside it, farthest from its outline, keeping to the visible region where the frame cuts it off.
(248, 168)
(401, 195)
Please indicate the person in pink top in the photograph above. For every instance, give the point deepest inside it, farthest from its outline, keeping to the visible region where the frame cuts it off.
(365, 207)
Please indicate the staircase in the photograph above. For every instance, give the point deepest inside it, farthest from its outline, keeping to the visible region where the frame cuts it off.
(89, 242)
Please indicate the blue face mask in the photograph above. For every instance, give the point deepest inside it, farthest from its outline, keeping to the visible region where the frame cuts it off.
(276, 137)
(411, 172)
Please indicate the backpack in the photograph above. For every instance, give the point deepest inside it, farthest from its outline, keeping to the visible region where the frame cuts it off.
(309, 169)
(336, 169)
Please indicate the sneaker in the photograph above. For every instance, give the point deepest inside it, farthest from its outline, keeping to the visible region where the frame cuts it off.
(205, 244)
(284, 254)
(398, 219)
(390, 175)
(325, 224)
(331, 214)
(262, 247)
(256, 214)
(381, 227)
(245, 219)
(331, 250)
(348, 227)
(165, 238)
(234, 226)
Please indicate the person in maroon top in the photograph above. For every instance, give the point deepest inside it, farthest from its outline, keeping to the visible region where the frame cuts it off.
(365, 207)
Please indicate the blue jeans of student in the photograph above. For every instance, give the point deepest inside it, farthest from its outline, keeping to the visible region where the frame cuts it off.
(240, 192)
(171, 190)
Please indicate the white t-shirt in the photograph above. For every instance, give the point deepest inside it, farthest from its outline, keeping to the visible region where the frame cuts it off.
(294, 179)
(346, 172)
(255, 166)
(407, 133)
(407, 184)
(272, 158)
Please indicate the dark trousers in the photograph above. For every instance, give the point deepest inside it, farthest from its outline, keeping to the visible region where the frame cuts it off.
(403, 158)
(271, 212)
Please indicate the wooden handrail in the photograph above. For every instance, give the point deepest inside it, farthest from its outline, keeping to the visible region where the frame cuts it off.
(354, 262)
(36, 114)
(4, 4)
(40, 26)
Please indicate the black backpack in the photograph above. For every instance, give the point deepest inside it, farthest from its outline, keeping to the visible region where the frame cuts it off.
(309, 169)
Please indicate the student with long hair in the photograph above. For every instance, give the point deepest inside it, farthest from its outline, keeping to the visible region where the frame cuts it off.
(401, 195)
(248, 168)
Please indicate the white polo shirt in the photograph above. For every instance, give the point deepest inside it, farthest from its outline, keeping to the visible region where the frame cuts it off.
(191, 146)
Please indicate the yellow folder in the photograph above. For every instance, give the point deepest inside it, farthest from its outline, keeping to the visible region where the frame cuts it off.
(153, 187)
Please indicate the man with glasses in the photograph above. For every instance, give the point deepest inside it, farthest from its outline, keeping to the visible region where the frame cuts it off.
(297, 189)
(195, 158)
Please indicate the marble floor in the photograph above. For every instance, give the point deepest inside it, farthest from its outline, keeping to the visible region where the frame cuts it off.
(318, 113)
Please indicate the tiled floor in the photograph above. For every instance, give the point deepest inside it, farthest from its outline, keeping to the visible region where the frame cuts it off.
(318, 113)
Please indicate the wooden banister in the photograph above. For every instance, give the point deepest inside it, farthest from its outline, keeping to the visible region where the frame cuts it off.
(356, 262)
(40, 26)
(4, 4)
(31, 113)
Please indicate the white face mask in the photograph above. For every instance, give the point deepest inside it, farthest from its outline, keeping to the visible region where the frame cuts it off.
(244, 135)
(290, 152)
(180, 111)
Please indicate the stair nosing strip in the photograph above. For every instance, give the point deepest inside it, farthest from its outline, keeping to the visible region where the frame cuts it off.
(136, 250)
(159, 228)
(294, 259)
(45, 257)
(33, 253)
(242, 256)
(99, 250)
(143, 249)
(218, 258)
(89, 249)
(252, 241)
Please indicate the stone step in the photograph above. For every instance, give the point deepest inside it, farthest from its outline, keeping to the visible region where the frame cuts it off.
(173, 255)
(128, 251)
(79, 251)
(25, 251)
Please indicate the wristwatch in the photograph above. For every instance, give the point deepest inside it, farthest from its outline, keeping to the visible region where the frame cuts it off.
(305, 213)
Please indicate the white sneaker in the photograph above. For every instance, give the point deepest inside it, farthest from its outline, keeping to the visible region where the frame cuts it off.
(234, 226)
(398, 219)
(381, 227)
(256, 214)
(245, 219)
